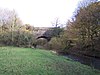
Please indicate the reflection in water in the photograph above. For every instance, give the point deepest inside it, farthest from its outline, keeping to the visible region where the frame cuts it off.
(93, 62)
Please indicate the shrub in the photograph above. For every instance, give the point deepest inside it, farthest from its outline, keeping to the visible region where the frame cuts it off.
(19, 38)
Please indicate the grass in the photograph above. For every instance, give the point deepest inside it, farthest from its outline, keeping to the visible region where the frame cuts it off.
(27, 61)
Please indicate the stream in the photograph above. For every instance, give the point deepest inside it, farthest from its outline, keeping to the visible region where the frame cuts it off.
(90, 61)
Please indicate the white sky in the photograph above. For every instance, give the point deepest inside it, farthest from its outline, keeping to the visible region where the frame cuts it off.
(40, 13)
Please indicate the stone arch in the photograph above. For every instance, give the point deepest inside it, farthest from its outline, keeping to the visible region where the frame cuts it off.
(45, 37)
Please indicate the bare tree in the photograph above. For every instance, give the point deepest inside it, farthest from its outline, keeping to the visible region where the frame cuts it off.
(56, 22)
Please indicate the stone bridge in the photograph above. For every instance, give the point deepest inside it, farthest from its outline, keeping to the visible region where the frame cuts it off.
(47, 32)
(41, 32)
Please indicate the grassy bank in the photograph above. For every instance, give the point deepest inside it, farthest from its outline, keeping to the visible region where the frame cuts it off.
(27, 61)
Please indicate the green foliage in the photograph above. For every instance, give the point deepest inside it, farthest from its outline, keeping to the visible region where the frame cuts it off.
(26, 61)
(13, 32)
(20, 38)
(61, 43)
(41, 41)
(82, 33)
(84, 29)
(55, 43)
(53, 32)
(56, 31)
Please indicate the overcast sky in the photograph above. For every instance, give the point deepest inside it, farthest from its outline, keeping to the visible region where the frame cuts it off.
(41, 13)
